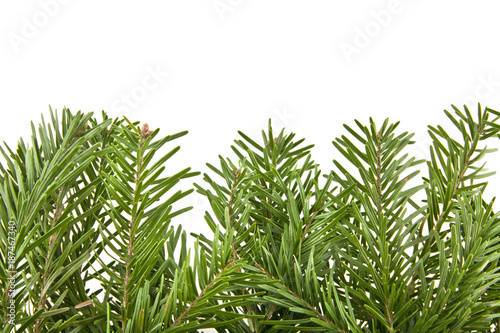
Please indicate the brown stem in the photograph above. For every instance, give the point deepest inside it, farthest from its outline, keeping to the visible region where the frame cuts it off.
(379, 213)
(389, 315)
(440, 219)
(57, 214)
(130, 254)
(379, 172)
(237, 174)
(442, 216)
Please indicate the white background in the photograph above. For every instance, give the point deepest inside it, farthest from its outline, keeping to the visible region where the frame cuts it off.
(227, 65)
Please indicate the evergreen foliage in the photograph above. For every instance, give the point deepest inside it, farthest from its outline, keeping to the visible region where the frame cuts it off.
(293, 249)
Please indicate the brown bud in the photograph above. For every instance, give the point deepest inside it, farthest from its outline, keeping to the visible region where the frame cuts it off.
(145, 131)
(237, 173)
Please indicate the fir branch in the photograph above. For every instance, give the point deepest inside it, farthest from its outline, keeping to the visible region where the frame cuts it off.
(145, 133)
(445, 210)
